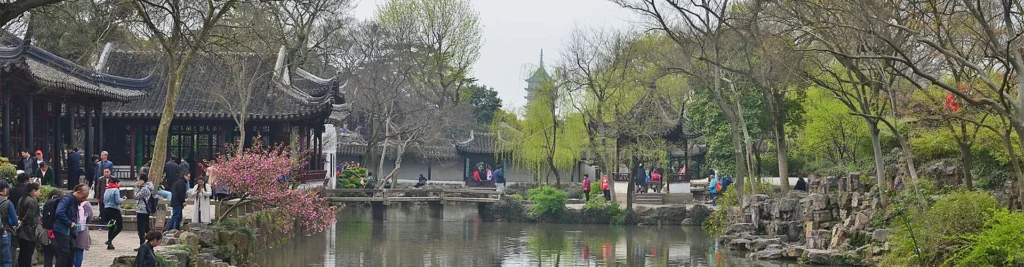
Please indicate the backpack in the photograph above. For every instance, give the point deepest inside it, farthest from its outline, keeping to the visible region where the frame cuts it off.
(50, 213)
(718, 187)
(151, 204)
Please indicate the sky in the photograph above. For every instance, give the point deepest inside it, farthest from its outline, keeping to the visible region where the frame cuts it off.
(515, 32)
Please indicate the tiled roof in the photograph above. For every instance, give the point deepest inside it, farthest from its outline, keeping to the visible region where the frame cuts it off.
(273, 98)
(61, 76)
(417, 151)
(481, 143)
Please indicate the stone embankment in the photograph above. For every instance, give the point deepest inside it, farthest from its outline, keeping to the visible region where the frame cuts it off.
(837, 223)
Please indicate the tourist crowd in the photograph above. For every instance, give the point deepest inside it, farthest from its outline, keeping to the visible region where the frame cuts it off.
(59, 224)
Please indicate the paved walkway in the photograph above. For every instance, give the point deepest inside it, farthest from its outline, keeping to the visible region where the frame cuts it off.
(124, 244)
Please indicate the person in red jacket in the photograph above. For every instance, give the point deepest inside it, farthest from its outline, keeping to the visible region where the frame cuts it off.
(586, 186)
(656, 181)
(604, 187)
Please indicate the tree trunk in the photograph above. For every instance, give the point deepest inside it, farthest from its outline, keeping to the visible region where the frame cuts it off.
(781, 147)
(1015, 159)
(241, 136)
(965, 160)
(177, 73)
(876, 147)
(634, 163)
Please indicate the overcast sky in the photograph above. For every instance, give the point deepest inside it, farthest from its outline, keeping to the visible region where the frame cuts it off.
(516, 31)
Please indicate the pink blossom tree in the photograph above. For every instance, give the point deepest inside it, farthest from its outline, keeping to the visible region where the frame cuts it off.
(255, 175)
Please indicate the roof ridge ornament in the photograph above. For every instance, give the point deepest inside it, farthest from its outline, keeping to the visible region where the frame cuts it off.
(280, 69)
(101, 63)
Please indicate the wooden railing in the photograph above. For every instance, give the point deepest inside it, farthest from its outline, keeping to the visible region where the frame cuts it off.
(412, 195)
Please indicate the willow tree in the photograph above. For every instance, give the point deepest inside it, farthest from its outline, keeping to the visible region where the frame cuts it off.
(547, 139)
(181, 29)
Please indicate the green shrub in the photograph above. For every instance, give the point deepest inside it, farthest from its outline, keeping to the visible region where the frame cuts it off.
(8, 171)
(1001, 243)
(509, 209)
(938, 231)
(599, 210)
(718, 220)
(547, 201)
(45, 191)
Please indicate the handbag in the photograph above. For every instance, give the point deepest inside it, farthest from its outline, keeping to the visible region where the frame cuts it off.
(43, 236)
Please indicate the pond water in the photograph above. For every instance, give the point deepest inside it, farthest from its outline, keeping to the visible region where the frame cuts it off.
(410, 238)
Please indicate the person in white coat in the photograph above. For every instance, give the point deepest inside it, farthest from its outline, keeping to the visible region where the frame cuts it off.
(201, 193)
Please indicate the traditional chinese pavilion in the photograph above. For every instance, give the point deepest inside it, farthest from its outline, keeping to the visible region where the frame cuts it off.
(283, 106)
(48, 101)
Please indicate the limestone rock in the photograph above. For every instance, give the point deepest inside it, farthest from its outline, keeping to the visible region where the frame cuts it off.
(880, 235)
(768, 254)
(175, 253)
(822, 216)
(794, 231)
(687, 221)
(739, 243)
(740, 228)
(762, 244)
(818, 201)
(862, 221)
(794, 252)
(207, 238)
(126, 261)
(167, 241)
(191, 240)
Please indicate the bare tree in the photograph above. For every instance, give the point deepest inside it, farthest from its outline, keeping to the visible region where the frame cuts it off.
(245, 72)
(699, 28)
(181, 28)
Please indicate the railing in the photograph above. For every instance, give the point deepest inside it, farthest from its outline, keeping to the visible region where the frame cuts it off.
(412, 195)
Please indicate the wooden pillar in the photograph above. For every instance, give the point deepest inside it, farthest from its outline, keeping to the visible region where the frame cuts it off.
(69, 138)
(99, 119)
(87, 159)
(131, 154)
(30, 119)
(7, 123)
(45, 144)
(57, 146)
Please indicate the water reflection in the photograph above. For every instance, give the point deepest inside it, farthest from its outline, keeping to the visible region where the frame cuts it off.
(410, 238)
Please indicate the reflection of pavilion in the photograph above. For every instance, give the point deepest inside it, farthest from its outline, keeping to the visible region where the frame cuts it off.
(48, 101)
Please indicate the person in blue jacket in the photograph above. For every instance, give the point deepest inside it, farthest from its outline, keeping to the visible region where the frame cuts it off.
(10, 221)
(64, 228)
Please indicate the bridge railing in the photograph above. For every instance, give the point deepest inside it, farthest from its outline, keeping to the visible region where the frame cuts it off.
(412, 195)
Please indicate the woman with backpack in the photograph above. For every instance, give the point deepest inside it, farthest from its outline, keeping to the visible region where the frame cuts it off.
(49, 217)
(144, 201)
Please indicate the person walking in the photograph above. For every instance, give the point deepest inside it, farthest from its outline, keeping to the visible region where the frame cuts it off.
(101, 190)
(112, 200)
(142, 205)
(9, 221)
(90, 171)
(713, 189)
(146, 257)
(171, 172)
(74, 168)
(103, 164)
(49, 215)
(606, 187)
(83, 241)
(499, 178)
(586, 187)
(179, 192)
(201, 193)
(28, 211)
(65, 223)
(183, 169)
